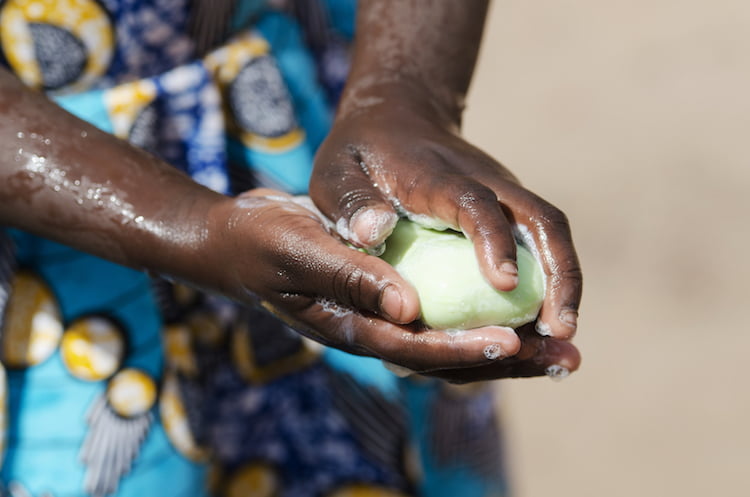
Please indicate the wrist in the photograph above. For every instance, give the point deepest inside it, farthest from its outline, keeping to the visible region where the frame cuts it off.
(173, 240)
(404, 94)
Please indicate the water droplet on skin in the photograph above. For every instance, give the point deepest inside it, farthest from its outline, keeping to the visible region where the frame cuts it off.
(20, 134)
(56, 188)
(47, 141)
(84, 134)
(138, 219)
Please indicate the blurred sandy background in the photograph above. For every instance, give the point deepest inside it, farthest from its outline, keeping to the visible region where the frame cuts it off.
(633, 118)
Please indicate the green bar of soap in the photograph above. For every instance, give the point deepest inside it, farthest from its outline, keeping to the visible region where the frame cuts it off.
(453, 294)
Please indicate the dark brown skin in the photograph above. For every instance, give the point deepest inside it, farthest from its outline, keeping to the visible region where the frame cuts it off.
(65, 180)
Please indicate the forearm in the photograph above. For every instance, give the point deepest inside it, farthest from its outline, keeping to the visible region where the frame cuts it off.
(63, 179)
(421, 48)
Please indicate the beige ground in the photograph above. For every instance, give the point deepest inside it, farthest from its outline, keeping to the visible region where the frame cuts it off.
(634, 118)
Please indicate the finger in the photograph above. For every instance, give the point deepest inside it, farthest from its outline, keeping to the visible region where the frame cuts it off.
(407, 346)
(550, 232)
(538, 357)
(345, 192)
(462, 203)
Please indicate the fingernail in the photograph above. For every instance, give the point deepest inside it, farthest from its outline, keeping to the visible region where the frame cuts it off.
(391, 303)
(370, 226)
(556, 372)
(569, 317)
(510, 268)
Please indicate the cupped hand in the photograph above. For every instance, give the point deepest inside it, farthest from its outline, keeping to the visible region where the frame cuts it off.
(394, 156)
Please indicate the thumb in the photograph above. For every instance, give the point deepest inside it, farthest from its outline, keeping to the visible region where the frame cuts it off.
(368, 283)
(347, 195)
(323, 268)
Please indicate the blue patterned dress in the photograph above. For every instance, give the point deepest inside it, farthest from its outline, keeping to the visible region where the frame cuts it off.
(114, 383)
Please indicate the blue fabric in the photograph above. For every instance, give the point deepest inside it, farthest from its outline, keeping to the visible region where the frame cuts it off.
(342, 14)
(297, 66)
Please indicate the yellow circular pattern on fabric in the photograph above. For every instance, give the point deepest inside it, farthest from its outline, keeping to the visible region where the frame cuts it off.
(363, 490)
(32, 327)
(206, 328)
(175, 421)
(243, 358)
(178, 349)
(277, 144)
(92, 348)
(131, 392)
(225, 64)
(255, 480)
(85, 19)
(125, 102)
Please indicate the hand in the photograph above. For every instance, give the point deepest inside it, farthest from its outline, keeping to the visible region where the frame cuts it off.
(397, 155)
(265, 245)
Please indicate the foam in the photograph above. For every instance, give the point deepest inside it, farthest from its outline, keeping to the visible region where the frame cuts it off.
(556, 372)
(543, 329)
(493, 351)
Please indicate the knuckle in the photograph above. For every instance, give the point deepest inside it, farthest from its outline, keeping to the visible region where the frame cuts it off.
(553, 221)
(471, 197)
(412, 187)
(551, 216)
(572, 273)
(353, 199)
(348, 284)
(474, 196)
